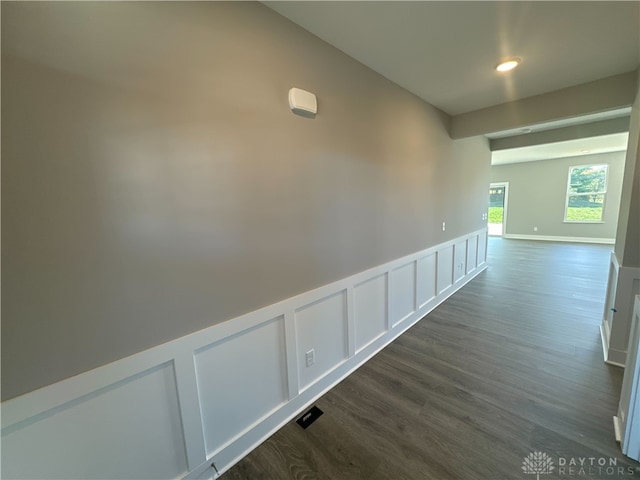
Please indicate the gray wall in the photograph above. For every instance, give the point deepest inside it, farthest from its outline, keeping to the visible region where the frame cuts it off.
(155, 182)
(627, 247)
(537, 193)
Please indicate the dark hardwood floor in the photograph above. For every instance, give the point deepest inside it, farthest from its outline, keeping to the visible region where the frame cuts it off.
(509, 365)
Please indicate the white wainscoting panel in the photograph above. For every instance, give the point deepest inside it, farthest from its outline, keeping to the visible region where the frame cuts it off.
(403, 292)
(370, 310)
(459, 260)
(472, 254)
(445, 268)
(130, 429)
(321, 327)
(482, 247)
(426, 278)
(240, 380)
(212, 396)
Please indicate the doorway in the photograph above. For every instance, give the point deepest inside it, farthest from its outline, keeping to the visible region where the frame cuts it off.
(497, 208)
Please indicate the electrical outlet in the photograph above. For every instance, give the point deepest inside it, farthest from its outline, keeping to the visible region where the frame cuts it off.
(535, 229)
(444, 226)
(310, 357)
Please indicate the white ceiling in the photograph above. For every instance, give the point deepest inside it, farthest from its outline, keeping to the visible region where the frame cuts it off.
(445, 52)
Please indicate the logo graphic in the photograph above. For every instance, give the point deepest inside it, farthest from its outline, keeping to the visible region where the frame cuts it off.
(537, 463)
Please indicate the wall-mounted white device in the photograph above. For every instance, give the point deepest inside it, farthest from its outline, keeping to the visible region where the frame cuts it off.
(302, 102)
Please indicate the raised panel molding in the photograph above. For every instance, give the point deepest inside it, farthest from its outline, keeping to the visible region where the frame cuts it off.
(403, 292)
(119, 420)
(472, 254)
(214, 395)
(445, 269)
(240, 380)
(426, 279)
(321, 328)
(483, 238)
(370, 310)
(459, 260)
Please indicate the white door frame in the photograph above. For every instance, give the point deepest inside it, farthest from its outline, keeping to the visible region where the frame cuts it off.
(506, 202)
(627, 423)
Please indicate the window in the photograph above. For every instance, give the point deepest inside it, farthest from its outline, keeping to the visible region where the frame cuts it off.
(586, 189)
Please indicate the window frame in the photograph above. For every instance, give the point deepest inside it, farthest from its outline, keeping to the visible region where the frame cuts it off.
(568, 193)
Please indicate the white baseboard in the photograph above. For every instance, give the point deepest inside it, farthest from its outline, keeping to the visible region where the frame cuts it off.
(214, 395)
(616, 428)
(550, 238)
(611, 356)
(616, 358)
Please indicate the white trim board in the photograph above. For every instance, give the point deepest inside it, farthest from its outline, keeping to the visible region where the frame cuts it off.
(611, 356)
(616, 429)
(214, 395)
(505, 205)
(627, 422)
(551, 238)
(622, 287)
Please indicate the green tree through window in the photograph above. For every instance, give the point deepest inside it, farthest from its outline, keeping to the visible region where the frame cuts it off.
(586, 190)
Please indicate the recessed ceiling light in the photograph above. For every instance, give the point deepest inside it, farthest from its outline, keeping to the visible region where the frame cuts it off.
(509, 64)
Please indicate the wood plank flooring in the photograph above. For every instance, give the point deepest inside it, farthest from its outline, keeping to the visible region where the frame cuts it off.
(510, 364)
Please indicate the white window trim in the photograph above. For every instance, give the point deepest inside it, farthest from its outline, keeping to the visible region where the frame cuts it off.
(604, 193)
